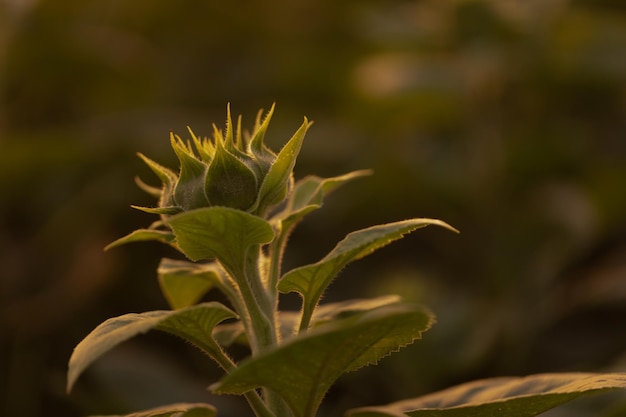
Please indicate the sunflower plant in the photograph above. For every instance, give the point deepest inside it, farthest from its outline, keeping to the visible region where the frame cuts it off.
(229, 210)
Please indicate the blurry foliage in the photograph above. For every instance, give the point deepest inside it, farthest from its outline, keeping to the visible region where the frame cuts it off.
(507, 119)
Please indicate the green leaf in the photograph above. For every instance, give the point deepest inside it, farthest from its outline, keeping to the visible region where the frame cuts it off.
(275, 184)
(229, 181)
(193, 324)
(189, 192)
(508, 396)
(229, 333)
(142, 235)
(311, 281)
(184, 283)
(309, 193)
(302, 369)
(175, 410)
(159, 210)
(219, 232)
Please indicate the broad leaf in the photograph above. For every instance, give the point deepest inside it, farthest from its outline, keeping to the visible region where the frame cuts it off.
(511, 397)
(175, 410)
(302, 369)
(219, 232)
(193, 324)
(184, 283)
(311, 281)
(142, 235)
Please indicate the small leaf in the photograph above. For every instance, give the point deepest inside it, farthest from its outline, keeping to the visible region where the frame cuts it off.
(175, 410)
(229, 333)
(311, 281)
(511, 397)
(274, 186)
(229, 181)
(184, 283)
(159, 210)
(203, 148)
(309, 193)
(142, 235)
(219, 232)
(194, 324)
(302, 369)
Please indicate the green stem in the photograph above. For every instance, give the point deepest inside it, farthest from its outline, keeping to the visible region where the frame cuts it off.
(258, 302)
(277, 249)
(254, 399)
(305, 319)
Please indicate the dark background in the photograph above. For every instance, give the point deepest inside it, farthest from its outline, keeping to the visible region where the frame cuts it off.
(506, 119)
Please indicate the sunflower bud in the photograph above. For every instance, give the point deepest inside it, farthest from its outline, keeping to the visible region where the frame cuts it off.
(230, 170)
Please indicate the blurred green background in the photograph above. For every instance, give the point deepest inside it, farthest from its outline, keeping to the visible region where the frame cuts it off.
(505, 118)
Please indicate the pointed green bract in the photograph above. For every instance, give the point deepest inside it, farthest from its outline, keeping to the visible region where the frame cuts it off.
(174, 410)
(184, 283)
(263, 154)
(149, 189)
(167, 176)
(143, 235)
(311, 281)
(229, 182)
(189, 191)
(219, 232)
(302, 369)
(193, 324)
(511, 397)
(275, 184)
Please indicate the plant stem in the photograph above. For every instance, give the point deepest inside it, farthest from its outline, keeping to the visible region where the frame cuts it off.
(254, 399)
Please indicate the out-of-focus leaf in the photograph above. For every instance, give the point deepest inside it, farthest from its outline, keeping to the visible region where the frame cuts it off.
(184, 283)
(288, 320)
(194, 324)
(302, 369)
(228, 333)
(174, 410)
(511, 397)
